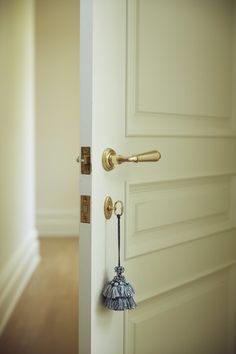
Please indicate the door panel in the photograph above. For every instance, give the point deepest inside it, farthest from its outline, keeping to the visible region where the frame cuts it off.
(179, 69)
(163, 77)
(155, 220)
(180, 315)
(176, 266)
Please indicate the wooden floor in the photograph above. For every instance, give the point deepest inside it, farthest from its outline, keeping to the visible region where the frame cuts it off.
(45, 320)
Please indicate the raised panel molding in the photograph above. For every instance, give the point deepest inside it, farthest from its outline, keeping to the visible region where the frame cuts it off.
(149, 116)
(205, 299)
(154, 220)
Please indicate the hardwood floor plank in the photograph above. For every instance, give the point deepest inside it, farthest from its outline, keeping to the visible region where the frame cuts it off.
(45, 320)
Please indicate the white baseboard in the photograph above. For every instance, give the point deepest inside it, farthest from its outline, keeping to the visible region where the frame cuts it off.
(15, 276)
(58, 222)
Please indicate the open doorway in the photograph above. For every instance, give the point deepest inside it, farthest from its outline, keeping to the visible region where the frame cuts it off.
(57, 116)
(45, 318)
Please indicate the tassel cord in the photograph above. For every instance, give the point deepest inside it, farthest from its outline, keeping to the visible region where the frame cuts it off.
(118, 222)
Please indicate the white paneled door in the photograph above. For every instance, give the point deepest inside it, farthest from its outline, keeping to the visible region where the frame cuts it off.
(161, 74)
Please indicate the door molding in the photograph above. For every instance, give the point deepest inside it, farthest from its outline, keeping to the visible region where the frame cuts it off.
(146, 229)
(214, 121)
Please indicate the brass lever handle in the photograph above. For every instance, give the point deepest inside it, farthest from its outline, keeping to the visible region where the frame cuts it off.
(110, 158)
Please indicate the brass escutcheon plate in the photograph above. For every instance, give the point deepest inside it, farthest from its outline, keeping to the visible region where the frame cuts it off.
(108, 207)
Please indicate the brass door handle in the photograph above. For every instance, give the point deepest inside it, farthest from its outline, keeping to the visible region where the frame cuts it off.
(110, 159)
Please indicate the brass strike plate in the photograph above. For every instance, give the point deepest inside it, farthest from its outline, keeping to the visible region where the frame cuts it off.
(85, 209)
(85, 160)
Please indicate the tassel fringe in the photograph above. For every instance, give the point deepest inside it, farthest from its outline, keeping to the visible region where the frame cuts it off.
(118, 293)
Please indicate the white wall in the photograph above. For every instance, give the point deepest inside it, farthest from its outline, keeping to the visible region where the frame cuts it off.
(57, 112)
(18, 242)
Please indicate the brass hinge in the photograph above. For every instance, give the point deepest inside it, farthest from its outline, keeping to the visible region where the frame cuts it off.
(85, 160)
(85, 209)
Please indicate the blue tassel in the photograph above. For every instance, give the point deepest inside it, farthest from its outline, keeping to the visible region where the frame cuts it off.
(118, 293)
